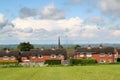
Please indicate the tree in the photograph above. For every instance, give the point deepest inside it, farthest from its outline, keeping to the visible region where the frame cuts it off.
(76, 46)
(25, 46)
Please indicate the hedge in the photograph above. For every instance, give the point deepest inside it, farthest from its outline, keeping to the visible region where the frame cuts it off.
(75, 61)
(88, 61)
(7, 62)
(82, 61)
(53, 62)
(118, 59)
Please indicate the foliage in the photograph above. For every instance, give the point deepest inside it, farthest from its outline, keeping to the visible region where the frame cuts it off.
(53, 62)
(76, 46)
(118, 59)
(61, 46)
(82, 61)
(25, 46)
(7, 62)
(75, 61)
(88, 61)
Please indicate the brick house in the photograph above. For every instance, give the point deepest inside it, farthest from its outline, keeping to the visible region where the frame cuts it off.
(40, 55)
(8, 55)
(36, 55)
(101, 54)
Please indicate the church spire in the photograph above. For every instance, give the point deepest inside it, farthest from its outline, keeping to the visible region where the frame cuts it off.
(59, 42)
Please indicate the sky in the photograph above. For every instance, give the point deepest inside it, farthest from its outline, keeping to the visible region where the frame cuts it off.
(75, 21)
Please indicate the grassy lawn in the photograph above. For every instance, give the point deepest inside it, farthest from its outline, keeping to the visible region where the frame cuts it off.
(99, 72)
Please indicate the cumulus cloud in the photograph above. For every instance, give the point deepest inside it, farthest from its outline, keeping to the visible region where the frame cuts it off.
(50, 12)
(94, 20)
(110, 7)
(3, 20)
(47, 31)
(28, 12)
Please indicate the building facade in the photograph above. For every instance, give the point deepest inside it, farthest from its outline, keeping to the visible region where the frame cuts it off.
(101, 54)
(35, 55)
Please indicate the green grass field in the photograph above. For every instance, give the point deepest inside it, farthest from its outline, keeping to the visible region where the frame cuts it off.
(99, 72)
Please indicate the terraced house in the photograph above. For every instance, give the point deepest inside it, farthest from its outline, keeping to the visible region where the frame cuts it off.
(35, 55)
(101, 54)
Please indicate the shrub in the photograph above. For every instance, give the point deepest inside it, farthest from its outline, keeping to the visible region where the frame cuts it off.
(53, 62)
(8, 62)
(118, 59)
(88, 61)
(75, 61)
(82, 61)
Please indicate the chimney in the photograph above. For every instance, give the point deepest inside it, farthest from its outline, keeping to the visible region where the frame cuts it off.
(7, 50)
(89, 47)
(59, 42)
(100, 46)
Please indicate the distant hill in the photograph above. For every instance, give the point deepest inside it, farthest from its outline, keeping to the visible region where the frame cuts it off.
(12, 46)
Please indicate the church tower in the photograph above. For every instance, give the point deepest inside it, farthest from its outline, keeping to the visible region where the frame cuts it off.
(59, 42)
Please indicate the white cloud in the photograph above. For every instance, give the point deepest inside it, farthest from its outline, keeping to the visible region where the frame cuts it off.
(3, 20)
(50, 12)
(116, 33)
(110, 7)
(28, 12)
(47, 31)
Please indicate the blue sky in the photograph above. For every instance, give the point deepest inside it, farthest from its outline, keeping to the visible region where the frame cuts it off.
(75, 21)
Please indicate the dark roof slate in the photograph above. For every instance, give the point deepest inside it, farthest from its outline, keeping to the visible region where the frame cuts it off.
(96, 50)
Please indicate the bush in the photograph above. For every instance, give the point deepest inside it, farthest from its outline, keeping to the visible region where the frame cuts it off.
(8, 62)
(88, 61)
(118, 59)
(53, 62)
(75, 61)
(82, 61)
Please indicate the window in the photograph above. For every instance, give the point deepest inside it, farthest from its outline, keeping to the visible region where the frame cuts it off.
(40, 56)
(5, 58)
(88, 54)
(33, 57)
(60, 55)
(81, 54)
(12, 58)
(109, 54)
(102, 54)
(53, 56)
(102, 61)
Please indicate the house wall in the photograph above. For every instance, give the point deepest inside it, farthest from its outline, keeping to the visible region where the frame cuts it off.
(9, 58)
(107, 58)
(45, 57)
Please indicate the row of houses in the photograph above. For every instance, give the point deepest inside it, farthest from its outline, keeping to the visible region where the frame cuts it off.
(101, 54)
(35, 55)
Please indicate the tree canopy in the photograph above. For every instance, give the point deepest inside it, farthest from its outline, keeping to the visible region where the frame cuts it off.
(76, 46)
(25, 46)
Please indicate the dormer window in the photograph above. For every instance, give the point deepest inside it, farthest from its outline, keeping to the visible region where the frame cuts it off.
(33, 57)
(100, 47)
(81, 54)
(42, 49)
(53, 48)
(88, 54)
(5, 58)
(60, 55)
(12, 58)
(40, 56)
(109, 54)
(53, 56)
(102, 54)
(89, 47)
